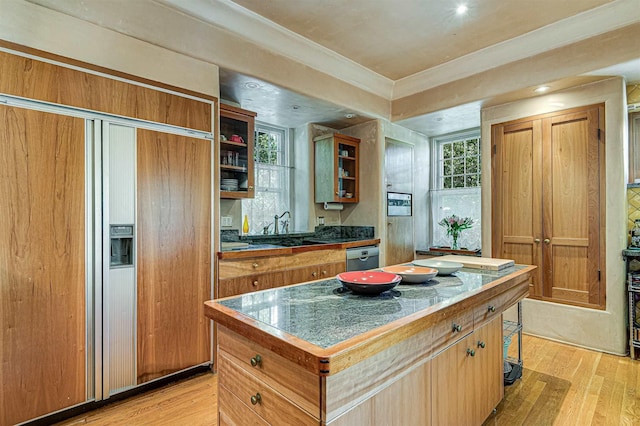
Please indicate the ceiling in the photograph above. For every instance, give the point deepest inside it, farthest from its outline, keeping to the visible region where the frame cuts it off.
(392, 49)
(399, 40)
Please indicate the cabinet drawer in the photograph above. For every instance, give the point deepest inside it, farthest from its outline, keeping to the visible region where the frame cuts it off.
(233, 412)
(246, 284)
(310, 273)
(317, 257)
(251, 266)
(452, 329)
(290, 379)
(496, 305)
(271, 406)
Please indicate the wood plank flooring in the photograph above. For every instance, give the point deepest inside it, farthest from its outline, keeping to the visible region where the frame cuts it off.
(561, 385)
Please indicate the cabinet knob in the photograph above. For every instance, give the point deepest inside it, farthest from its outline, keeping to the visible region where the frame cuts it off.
(256, 399)
(537, 240)
(547, 241)
(491, 308)
(471, 352)
(256, 361)
(314, 274)
(255, 265)
(250, 188)
(255, 283)
(324, 272)
(481, 344)
(457, 327)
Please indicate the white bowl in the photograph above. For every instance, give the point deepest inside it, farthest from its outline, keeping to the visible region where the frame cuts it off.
(412, 274)
(443, 267)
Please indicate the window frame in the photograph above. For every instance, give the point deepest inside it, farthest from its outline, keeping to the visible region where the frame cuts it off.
(437, 178)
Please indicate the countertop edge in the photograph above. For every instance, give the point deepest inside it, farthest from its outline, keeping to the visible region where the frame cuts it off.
(336, 358)
(243, 254)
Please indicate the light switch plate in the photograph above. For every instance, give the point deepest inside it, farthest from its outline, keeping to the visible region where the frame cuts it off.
(227, 221)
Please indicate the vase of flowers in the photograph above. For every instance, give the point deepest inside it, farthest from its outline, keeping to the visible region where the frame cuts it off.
(454, 225)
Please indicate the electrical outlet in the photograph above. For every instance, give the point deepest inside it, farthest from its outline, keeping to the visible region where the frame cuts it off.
(227, 221)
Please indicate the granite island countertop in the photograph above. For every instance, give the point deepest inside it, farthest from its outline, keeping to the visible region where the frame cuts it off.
(316, 324)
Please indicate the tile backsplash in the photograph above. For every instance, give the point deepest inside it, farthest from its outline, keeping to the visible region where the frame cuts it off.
(633, 205)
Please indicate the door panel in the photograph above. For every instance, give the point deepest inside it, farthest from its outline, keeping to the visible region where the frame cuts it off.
(571, 186)
(518, 209)
(400, 242)
(173, 252)
(42, 258)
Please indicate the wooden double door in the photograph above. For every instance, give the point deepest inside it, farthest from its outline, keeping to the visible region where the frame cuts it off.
(548, 200)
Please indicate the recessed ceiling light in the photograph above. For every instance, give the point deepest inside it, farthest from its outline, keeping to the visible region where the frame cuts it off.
(541, 89)
(349, 115)
(462, 9)
(252, 85)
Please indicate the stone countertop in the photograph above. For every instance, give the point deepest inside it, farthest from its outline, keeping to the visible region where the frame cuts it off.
(315, 324)
(261, 250)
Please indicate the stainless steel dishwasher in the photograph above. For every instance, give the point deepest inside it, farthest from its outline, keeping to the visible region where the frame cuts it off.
(362, 258)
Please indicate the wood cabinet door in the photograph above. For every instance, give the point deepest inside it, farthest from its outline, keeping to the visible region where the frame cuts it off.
(250, 283)
(517, 196)
(173, 252)
(488, 368)
(548, 202)
(454, 385)
(43, 348)
(407, 401)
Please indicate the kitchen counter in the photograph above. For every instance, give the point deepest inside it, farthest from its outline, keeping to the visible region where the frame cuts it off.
(261, 250)
(359, 346)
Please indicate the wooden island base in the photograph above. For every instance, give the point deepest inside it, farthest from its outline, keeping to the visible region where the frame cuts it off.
(442, 366)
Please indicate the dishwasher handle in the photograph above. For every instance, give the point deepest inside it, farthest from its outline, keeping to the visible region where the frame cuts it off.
(362, 253)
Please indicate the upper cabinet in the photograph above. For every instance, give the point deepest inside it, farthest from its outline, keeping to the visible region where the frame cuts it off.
(236, 152)
(336, 169)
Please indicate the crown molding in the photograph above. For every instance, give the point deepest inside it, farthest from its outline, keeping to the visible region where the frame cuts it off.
(609, 17)
(256, 29)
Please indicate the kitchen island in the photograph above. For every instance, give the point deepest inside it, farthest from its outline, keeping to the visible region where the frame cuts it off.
(316, 354)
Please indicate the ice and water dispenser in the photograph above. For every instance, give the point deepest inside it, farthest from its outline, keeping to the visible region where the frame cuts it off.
(121, 246)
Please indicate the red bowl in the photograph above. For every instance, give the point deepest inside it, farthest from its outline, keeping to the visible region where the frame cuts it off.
(369, 282)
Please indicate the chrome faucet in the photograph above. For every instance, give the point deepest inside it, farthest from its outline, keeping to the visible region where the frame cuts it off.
(285, 223)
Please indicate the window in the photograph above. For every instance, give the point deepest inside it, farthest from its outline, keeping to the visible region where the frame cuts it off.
(456, 186)
(272, 179)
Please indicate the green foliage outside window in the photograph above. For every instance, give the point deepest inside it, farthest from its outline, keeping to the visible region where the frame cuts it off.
(460, 163)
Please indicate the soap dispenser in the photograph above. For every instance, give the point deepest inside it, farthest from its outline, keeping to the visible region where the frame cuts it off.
(245, 225)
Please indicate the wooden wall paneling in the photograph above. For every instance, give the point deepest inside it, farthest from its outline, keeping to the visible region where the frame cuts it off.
(34, 79)
(173, 252)
(42, 263)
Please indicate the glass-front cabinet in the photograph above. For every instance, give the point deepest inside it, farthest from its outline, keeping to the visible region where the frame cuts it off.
(336, 169)
(236, 152)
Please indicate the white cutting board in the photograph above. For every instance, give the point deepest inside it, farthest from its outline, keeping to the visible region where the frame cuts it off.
(475, 262)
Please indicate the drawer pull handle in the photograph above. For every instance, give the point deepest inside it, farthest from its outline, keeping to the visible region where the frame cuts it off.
(457, 327)
(255, 265)
(256, 361)
(256, 399)
(255, 283)
(492, 308)
(481, 344)
(471, 352)
(314, 274)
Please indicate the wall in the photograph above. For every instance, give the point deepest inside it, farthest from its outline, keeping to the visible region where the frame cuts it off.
(601, 330)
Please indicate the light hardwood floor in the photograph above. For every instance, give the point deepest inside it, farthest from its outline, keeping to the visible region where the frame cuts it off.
(561, 385)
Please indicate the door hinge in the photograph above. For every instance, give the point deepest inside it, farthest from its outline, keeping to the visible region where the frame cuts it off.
(494, 148)
(599, 135)
(598, 275)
